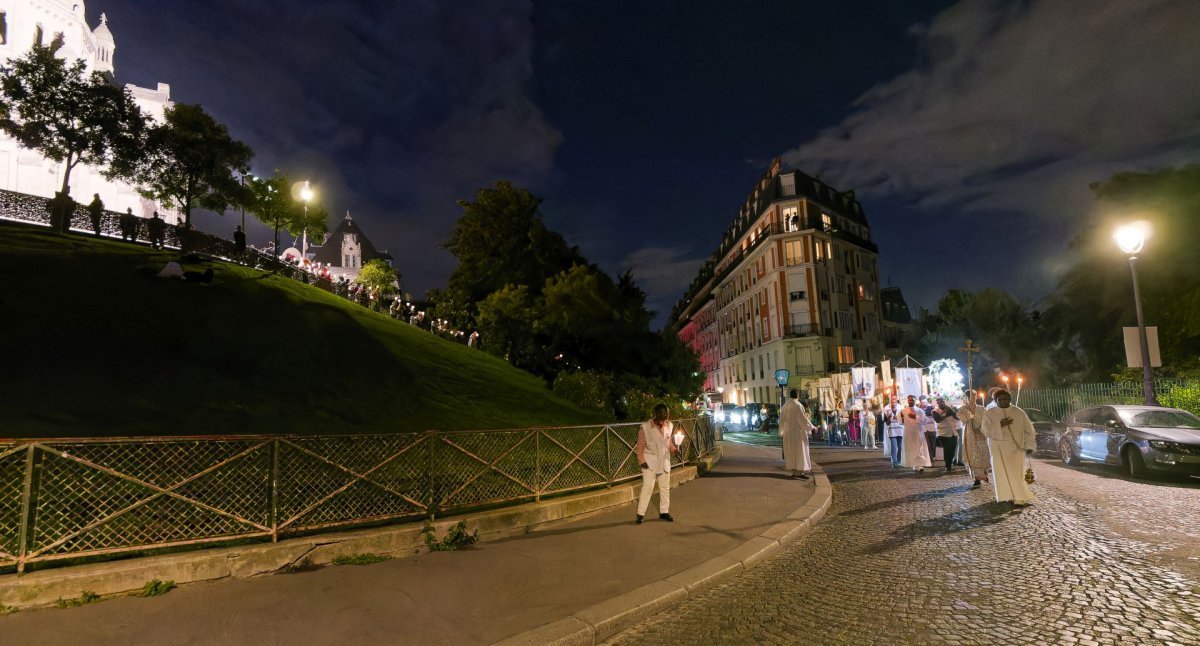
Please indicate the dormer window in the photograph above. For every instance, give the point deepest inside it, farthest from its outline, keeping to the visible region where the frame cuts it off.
(38, 34)
(3, 28)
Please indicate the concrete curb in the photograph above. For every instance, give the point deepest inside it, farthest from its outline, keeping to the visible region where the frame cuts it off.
(44, 587)
(596, 623)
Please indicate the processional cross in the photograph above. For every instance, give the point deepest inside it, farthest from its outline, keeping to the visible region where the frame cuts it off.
(970, 348)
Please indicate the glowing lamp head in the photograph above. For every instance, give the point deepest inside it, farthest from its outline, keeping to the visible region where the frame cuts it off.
(1131, 237)
(679, 437)
(306, 192)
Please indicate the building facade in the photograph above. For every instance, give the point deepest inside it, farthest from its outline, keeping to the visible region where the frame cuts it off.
(793, 285)
(346, 250)
(25, 23)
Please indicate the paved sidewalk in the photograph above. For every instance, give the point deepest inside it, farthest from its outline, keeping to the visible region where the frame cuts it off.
(599, 574)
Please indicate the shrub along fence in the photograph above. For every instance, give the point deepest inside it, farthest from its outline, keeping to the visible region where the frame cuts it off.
(74, 498)
(1060, 402)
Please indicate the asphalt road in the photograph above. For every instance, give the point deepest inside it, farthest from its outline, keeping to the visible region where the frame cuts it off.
(903, 558)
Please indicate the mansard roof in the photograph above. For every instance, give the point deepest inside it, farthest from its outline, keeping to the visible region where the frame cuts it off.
(330, 251)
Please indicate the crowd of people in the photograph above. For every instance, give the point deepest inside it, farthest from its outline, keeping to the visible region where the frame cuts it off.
(992, 442)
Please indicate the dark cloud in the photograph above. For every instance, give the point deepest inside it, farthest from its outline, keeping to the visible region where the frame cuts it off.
(394, 110)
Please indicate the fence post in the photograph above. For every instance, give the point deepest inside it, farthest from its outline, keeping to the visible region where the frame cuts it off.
(431, 439)
(537, 465)
(608, 466)
(275, 491)
(26, 534)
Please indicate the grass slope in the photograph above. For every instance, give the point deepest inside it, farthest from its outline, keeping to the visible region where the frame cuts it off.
(92, 343)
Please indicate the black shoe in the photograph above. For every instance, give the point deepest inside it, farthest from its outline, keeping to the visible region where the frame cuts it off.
(640, 518)
(978, 484)
(802, 476)
(666, 517)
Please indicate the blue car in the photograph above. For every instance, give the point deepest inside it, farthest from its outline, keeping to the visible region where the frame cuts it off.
(1139, 439)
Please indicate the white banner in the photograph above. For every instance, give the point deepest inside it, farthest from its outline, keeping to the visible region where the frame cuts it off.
(864, 382)
(885, 368)
(825, 393)
(908, 382)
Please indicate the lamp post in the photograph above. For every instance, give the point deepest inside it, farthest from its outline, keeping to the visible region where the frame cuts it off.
(306, 196)
(1131, 238)
(1020, 380)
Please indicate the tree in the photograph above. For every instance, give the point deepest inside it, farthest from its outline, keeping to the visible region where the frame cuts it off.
(1094, 298)
(57, 109)
(270, 200)
(500, 239)
(191, 161)
(378, 276)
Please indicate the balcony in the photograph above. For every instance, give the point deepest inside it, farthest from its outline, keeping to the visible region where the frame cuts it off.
(805, 329)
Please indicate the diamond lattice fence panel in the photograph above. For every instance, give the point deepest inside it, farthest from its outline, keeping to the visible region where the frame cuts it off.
(481, 468)
(623, 463)
(12, 485)
(85, 507)
(572, 458)
(339, 480)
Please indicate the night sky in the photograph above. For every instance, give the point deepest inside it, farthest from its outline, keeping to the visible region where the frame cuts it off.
(970, 131)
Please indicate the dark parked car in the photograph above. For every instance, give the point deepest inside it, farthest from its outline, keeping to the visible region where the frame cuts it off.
(1049, 430)
(1139, 439)
(768, 419)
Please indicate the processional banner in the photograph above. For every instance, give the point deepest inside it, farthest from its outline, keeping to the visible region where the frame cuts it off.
(908, 382)
(864, 382)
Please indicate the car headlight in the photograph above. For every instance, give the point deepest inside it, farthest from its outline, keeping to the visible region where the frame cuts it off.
(1162, 446)
(1167, 446)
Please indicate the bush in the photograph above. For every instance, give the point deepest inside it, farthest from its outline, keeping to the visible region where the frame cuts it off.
(1186, 397)
(588, 390)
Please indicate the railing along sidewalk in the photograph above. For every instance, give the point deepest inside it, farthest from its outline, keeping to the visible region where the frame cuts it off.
(71, 498)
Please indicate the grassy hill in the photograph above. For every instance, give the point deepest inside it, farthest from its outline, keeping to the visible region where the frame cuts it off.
(93, 343)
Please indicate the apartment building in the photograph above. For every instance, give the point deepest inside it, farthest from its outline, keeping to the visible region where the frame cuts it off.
(794, 285)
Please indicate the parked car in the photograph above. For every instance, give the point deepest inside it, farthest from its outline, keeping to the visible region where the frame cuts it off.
(769, 418)
(733, 416)
(1049, 430)
(1139, 439)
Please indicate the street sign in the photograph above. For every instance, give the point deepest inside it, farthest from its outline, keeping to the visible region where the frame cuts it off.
(782, 376)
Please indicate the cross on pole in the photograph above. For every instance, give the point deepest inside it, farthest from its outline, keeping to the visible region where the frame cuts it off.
(970, 348)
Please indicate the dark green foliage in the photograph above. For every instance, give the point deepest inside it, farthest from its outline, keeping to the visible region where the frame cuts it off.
(456, 537)
(191, 161)
(155, 587)
(360, 559)
(83, 599)
(541, 306)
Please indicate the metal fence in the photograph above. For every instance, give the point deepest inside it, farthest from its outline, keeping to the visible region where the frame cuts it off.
(1060, 402)
(71, 498)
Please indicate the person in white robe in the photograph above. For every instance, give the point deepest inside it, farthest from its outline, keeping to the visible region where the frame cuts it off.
(1011, 437)
(795, 426)
(916, 451)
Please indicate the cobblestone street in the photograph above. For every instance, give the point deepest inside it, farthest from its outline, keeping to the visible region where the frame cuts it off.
(903, 559)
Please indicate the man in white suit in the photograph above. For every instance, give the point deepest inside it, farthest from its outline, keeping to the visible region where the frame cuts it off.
(795, 426)
(654, 448)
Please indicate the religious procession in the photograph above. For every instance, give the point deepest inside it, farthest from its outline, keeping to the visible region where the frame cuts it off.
(918, 419)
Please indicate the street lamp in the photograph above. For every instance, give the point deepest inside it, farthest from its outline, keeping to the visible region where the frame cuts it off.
(306, 196)
(1131, 238)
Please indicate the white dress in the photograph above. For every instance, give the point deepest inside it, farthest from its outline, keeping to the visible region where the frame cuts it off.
(1008, 445)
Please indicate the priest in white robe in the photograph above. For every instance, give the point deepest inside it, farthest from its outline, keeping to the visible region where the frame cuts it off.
(1010, 438)
(795, 426)
(916, 451)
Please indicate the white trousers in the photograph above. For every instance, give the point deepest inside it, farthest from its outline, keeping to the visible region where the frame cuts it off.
(664, 491)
